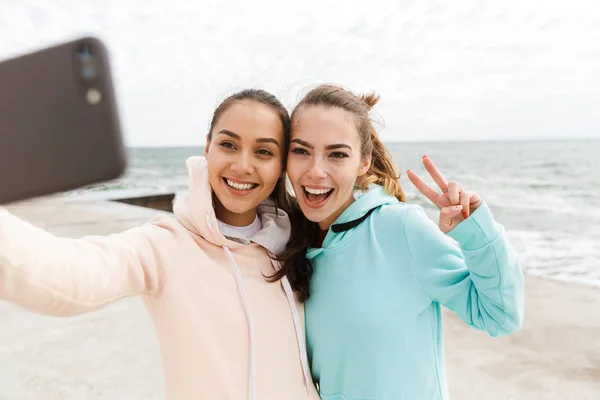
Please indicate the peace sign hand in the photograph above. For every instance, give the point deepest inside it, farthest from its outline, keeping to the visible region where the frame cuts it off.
(451, 201)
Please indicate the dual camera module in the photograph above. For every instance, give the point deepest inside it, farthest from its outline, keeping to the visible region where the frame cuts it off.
(88, 70)
(87, 65)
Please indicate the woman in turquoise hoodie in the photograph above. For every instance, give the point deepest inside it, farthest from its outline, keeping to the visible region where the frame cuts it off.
(379, 269)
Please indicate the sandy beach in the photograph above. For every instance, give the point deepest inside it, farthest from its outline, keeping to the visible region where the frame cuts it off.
(113, 353)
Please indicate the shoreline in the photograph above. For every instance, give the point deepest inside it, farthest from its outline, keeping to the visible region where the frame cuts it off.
(113, 353)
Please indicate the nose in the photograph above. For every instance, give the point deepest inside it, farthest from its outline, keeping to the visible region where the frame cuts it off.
(243, 165)
(316, 170)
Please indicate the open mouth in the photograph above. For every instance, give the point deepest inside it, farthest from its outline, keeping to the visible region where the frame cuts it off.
(316, 197)
(240, 186)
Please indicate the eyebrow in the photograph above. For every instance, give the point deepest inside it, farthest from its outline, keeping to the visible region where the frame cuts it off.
(268, 140)
(303, 143)
(229, 133)
(238, 137)
(338, 146)
(330, 147)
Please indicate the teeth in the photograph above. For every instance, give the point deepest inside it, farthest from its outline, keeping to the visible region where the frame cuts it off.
(240, 186)
(317, 191)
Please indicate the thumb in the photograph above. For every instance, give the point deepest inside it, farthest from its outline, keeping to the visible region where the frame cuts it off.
(451, 212)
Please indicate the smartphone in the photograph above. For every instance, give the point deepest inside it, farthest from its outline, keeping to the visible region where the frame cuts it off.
(59, 123)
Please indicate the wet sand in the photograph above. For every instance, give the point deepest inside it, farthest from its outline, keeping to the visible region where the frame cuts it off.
(113, 353)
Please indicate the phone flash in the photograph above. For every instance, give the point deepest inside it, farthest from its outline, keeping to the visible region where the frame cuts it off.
(93, 96)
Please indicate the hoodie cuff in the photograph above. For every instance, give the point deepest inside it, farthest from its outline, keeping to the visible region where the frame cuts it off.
(478, 230)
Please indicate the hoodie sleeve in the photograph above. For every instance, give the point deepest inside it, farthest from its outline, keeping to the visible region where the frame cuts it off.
(65, 277)
(481, 281)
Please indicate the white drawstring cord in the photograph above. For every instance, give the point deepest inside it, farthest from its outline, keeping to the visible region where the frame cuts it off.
(295, 317)
(246, 303)
(287, 288)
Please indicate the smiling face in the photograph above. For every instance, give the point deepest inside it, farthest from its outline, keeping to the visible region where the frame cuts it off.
(244, 153)
(324, 162)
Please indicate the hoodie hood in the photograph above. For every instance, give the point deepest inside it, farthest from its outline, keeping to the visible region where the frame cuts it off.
(195, 211)
(365, 202)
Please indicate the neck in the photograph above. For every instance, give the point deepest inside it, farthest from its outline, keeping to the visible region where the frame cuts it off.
(234, 219)
(325, 224)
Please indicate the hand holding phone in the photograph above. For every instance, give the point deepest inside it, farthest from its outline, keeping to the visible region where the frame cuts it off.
(59, 125)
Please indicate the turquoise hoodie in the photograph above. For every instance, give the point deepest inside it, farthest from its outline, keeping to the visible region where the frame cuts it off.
(373, 319)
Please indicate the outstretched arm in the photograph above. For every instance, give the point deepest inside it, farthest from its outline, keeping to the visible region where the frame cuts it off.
(64, 277)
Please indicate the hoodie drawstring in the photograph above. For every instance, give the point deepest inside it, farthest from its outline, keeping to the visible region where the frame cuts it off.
(244, 296)
(287, 288)
(295, 317)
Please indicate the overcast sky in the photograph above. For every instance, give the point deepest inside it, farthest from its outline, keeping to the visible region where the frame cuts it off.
(447, 70)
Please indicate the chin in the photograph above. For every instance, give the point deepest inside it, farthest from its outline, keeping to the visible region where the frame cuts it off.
(239, 207)
(234, 204)
(314, 216)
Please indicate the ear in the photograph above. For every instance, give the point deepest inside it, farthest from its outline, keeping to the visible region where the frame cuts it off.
(365, 164)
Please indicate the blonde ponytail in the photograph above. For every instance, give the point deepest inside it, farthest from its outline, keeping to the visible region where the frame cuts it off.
(382, 170)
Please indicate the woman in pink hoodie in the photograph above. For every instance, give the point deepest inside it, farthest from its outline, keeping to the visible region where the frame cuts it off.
(225, 332)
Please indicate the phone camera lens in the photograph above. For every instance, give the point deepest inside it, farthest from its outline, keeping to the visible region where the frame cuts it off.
(84, 53)
(87, 65)
(88, 71)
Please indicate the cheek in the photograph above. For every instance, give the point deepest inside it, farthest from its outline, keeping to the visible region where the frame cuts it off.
(291, 169)
(213, 178)
(212, 164)
(344, 174)
(216, 168)
(346, 181)
(297, 166)
(271, 173)
(210, 150)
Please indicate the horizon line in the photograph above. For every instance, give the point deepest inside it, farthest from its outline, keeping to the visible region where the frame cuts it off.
(406, 142)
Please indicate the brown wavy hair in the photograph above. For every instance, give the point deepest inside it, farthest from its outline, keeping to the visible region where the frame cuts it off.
(382, 171)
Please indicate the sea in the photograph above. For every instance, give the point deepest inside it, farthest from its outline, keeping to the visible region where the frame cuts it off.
(545, 193)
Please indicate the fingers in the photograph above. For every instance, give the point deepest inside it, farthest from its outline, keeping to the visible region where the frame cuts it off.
(435, 173)
(454, 192)
(474, 201)
(451, 212)
(451, 190)
(465, 201)
(422, 186)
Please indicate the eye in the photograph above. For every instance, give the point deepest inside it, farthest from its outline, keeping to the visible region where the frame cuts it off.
(299, 151)
(227, 145)
(338, 154)
(264, 152)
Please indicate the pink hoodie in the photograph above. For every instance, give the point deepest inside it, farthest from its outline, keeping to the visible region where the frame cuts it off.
(224, 331)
